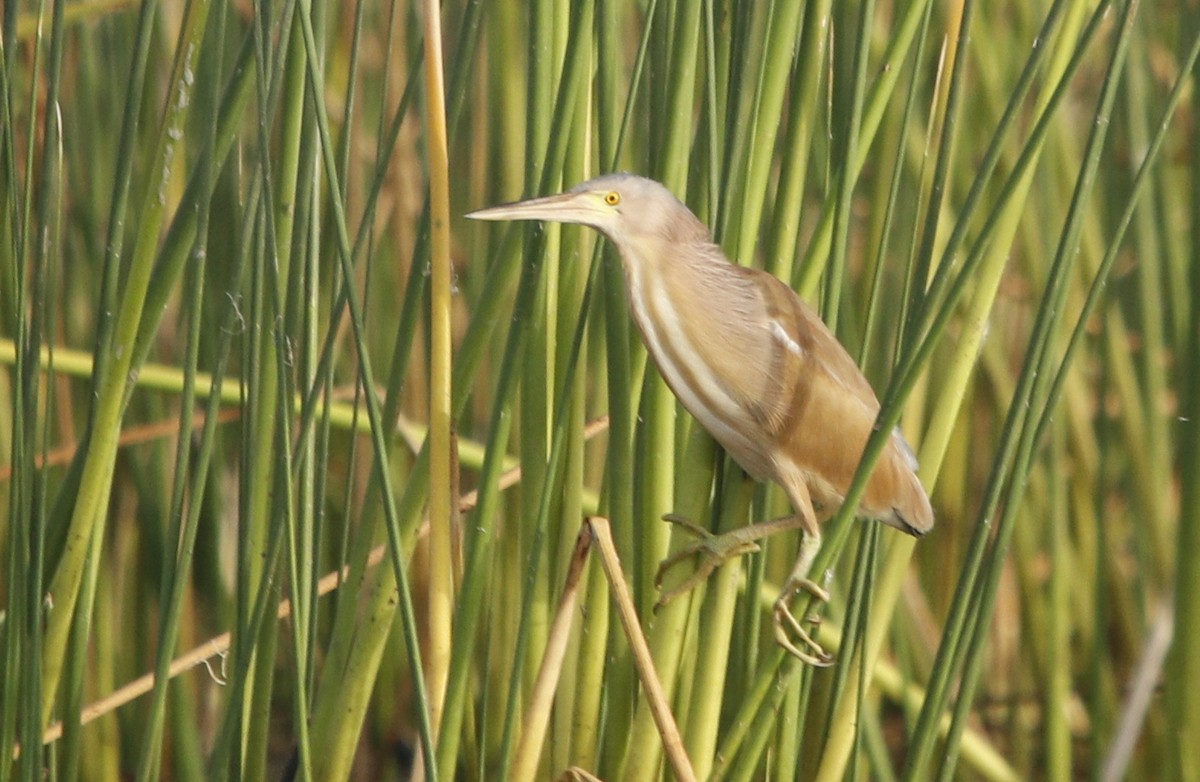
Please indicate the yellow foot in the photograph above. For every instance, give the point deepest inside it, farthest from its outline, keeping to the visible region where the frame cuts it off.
(712, 549)
(789, 631)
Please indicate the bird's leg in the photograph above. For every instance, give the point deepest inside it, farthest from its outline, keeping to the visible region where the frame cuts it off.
(787, 627)
(715, 550)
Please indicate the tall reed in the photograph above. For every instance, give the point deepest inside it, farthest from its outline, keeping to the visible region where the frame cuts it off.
(248, 341)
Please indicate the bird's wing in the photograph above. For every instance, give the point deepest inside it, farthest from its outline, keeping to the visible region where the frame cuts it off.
(841, 369)
(806, 357)
(765, 348)
(803, 324)
(833, 412)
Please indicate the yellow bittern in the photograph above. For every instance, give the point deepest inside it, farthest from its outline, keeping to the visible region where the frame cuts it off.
(756, 367)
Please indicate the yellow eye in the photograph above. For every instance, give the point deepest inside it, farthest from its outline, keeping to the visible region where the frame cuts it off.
(613, 198)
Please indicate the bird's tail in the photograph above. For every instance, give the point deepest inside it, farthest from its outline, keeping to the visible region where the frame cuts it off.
(912, 512)
(910, 508)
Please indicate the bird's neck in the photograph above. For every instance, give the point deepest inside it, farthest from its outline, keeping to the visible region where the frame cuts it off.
(661, 279)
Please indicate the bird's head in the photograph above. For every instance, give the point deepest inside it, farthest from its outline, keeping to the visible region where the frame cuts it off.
(627, 209)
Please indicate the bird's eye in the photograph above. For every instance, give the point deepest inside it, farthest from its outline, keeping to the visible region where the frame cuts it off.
(613, 198)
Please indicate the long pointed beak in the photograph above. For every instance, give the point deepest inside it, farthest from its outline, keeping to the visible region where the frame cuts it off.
(561, 208)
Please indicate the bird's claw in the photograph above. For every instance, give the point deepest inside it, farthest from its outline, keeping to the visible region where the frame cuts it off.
(787, 627)
(687, 525)
(713, 550)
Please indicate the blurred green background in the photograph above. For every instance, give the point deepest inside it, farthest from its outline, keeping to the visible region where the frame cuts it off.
(226, 328)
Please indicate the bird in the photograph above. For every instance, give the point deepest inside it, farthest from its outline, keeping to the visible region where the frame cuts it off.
(756, 367)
